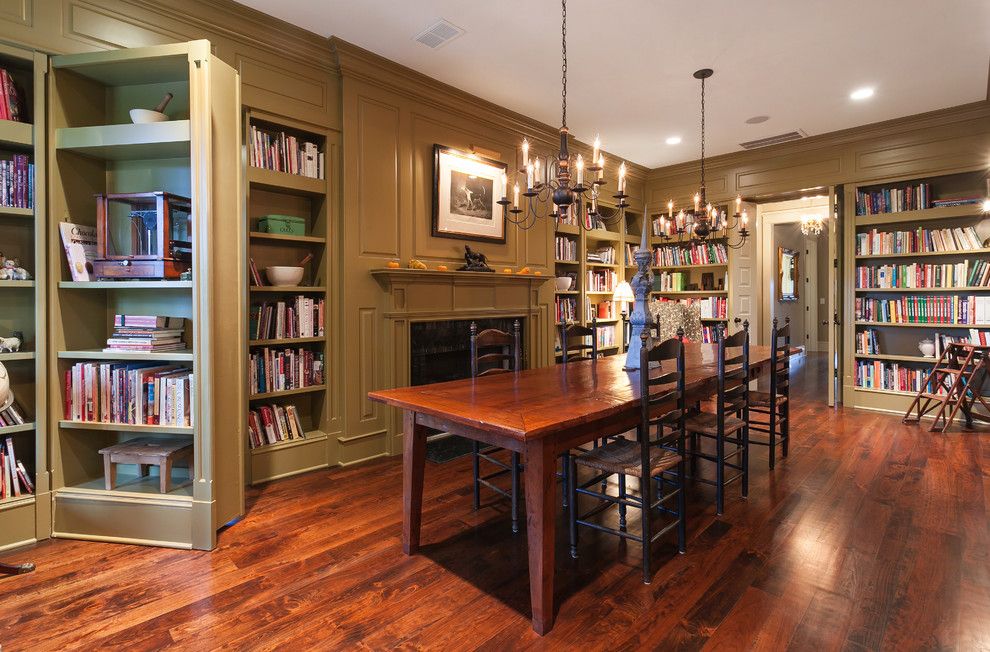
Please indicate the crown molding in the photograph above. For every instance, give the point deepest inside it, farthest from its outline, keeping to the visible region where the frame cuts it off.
(896, 126)
(245, 25)
(355, 62)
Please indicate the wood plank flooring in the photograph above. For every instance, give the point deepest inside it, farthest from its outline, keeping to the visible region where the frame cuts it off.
(871, 535)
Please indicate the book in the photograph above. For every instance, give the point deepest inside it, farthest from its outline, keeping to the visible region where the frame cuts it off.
(79, 242)
(256, 279)
(147, 321)
(11, 99)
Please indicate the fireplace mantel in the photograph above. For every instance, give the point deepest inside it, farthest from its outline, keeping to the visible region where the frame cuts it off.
(391, 275)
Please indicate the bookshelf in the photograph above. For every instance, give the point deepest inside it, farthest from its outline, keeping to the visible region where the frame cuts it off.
(909, 247)
(271, 192)
(26, 518)
(96, 149)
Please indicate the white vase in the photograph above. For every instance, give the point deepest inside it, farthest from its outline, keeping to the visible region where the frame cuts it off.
(927, 348)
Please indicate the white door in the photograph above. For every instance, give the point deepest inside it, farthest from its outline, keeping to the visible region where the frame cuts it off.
(832, 316)
(744, 286)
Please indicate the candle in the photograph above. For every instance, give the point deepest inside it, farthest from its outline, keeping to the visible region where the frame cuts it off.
(515, 198)
(529, 176)
(622, 178)
(525, 152)
(697, 202)
(670, 208)
(580, 170)
(596, 148)
(536, 171)
(601, 167)
(745, 220)
(738, 204)
(663, 226)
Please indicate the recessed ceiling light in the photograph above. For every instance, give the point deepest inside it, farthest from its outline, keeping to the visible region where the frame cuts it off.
(861, 93)
(757, 119)
(674, 140)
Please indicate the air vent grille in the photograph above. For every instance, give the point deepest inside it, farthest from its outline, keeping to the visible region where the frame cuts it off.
(774, 140)
(439, 34)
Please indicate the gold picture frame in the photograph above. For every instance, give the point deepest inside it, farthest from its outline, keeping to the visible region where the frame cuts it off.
(788, 273)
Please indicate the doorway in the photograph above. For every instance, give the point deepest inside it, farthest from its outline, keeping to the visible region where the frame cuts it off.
(796, 259)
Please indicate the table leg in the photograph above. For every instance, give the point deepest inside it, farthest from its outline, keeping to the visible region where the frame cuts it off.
(413, 461)
(540, 480)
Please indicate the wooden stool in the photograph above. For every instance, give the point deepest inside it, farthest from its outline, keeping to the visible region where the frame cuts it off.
(146, 452)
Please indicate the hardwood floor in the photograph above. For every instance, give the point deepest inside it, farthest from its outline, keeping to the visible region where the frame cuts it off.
(871, 535)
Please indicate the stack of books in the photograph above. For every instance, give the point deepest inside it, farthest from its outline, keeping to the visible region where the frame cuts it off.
(605, 255)
(14, 478)
(12, 416)
(17, 182)
(146, 334)
(271, 424)
(135, 393)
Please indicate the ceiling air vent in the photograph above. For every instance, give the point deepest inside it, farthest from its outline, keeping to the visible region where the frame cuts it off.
(439, 34)
(774, 140)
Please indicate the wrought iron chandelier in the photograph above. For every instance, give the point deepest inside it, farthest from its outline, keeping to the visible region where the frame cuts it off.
(557, 186)
(704, 221)
(812, 225)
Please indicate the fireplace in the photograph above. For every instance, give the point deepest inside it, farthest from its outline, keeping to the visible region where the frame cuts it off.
(441, 350)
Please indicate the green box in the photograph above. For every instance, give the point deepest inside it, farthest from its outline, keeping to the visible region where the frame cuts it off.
(282, 225)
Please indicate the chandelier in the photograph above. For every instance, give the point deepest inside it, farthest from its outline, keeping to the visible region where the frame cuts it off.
(812, 225)
(703, 221)
(558, 186)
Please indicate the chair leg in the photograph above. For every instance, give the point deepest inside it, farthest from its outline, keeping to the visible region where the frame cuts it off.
(573, 511)
(694, 459)
(773, 432)
(681, 509)
(622, 508)
(475, 449)
(745, 459)
(515, 493)
(719, 473)
(647, 525)
(786, 429)
(565, 465)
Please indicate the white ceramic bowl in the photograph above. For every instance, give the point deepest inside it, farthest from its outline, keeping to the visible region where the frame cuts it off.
(144, 116)
(563, 283)
(283, 275)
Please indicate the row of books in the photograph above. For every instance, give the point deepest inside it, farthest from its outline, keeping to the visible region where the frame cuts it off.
(875, 243)
(12, 416)
(891, 376)
(868, 342)
(605, 337)
(566, 216)
(671, 281)
(271, 424)
(601, 280)
(924, 310)
(604, 255)
(275, 150)
(919, 275)
(277, 370)
(709, 334)
(565, 309)
(146, 333)
(12, 105)
(129, 393)
(299, 316)
(707, 253)
(17, 182)
(893, 200)
(565, 249)
(630, 255)
(14, 477)
(601, 310)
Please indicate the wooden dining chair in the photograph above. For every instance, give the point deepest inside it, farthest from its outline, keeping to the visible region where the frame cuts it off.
(657, 456)
(574, 344)
(770, 411)
(496, 352)
(728, 424)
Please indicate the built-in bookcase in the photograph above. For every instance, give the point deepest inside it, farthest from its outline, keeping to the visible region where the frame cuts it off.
(910, 254)
(26, 518)
(94, 148)
(272, 192)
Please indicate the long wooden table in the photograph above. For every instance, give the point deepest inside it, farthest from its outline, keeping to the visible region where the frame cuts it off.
(540, 413)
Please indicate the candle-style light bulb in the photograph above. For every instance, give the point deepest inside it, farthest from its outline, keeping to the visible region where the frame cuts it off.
(596, 148)
(663, 226)
(515, 197)
(622, 178)
(697, 202)
(670, 208)
(738, 204)
(525, 152)
(529, 176)
(745, 220)
(536, 171)
(601, 167)
(580, 170)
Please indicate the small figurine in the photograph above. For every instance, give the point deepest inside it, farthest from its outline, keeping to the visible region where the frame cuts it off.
(12, 270)
(474, 262)
(12, 344)
(416, 264)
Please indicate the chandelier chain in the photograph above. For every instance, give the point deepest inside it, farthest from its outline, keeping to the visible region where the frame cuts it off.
(563, 65)
(703, 140)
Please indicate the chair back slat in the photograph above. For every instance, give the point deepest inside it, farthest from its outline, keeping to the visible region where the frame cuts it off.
(670, 403)
(507, 358)
(780, 343)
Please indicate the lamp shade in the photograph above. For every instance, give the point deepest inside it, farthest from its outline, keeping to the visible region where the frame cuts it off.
(623, 292)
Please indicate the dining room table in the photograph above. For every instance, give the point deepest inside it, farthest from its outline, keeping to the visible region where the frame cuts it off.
(540, 413)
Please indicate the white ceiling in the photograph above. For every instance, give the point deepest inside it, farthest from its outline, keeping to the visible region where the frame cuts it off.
(630, 62)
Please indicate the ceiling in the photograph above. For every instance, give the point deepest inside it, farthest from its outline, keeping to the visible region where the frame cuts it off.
(630, 62)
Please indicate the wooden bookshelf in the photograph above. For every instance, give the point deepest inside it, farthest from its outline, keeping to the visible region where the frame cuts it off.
(27, 518)
(96, 149)
(281, 193)
(898, 342)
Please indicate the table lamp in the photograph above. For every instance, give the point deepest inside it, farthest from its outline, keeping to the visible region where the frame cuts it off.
(623, 295)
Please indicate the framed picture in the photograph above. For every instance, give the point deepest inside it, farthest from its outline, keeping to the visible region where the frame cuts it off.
(787, 274)
(466, 189)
